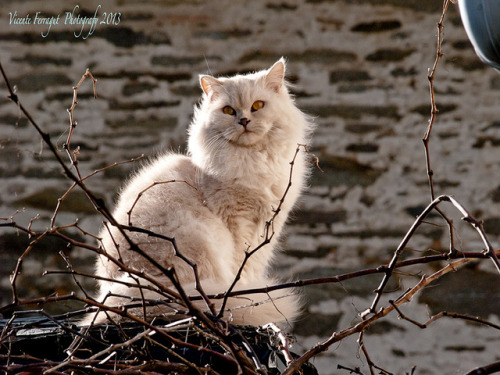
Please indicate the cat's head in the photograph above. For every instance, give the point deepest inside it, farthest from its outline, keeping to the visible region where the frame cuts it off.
(242, 109)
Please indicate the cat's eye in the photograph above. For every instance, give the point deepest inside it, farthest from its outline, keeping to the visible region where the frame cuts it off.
(259, 104)
(228, 110)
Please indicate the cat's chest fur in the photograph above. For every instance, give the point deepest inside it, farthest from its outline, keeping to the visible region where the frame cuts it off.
(242, 207)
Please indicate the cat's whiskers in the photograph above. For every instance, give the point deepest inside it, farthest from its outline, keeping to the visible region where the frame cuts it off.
(216, 142)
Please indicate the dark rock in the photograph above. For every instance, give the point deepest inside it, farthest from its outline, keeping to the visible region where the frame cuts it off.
(18, 122)
(36, 60)
(381, 233)
(223, 34)
(133, 88)
(150, 124)
(467, 64)
(403, 72)
(281, 6)
(44, 255)
(82, 12)
(40, 173)
(327, 56)
(169, 60)
(429, 6)
(353, 111)
(137, 142)
(362, 147)
(334, 23)
(343, 89)
(315, 217)
(10, 154)
(376, 26)
(381, 327)
(494, 125)
(362, 128)
(316, 324)
(298, 94)
(400, 35)
(367, 200)
(321, 252)
(338, 171)
(389, 54)
(469, 290)
(463, 44)
(415, 211)
(465, 348)
(495, 83)
(84, 146)
(134, 75)
(47, 198)
(431, 232)
(492, 226)
(67, 96)
(448, 135)
(185, 90)
(495, 195)
(10, 172)
(482, 141)
(120, 172)
(425, 109)
(36, 38)
(14, 243)
(233, 72)
(398, 353)
(138, 16)
(445, 184)
(126, 37)
(349, 75)
(448, 91)
(38, 82)
(260, 55)
(135, 105)
(116, 35)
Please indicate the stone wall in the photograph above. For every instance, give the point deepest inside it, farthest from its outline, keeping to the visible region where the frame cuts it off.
(360, 67)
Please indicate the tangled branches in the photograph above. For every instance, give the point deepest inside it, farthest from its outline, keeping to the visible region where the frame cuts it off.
(196, 340)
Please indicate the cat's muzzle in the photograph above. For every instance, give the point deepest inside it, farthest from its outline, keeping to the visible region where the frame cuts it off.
(244, 121)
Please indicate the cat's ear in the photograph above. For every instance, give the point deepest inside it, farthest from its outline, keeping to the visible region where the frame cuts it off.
(275, 77)
(210, 85)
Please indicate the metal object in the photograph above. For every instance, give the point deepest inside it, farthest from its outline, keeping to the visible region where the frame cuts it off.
(481, 19)
(37, 342)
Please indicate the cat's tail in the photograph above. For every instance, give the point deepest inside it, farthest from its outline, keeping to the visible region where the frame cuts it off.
(257, 309)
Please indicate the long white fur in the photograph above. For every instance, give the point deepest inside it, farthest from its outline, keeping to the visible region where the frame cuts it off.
(235, 177)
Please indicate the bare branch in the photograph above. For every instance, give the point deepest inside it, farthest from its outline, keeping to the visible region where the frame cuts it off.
(363, 324)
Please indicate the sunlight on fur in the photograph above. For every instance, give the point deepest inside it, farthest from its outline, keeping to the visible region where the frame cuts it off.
(242, 139)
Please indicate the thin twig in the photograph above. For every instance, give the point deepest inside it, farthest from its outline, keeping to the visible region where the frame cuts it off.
(268, 234)
(443, 314)
(434, 111)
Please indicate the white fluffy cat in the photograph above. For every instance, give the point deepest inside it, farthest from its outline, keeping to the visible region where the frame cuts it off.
(242, 139)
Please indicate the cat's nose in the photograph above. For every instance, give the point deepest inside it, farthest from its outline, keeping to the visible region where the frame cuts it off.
(244, 121)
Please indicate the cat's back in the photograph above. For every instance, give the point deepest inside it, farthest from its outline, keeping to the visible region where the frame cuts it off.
(168, 180)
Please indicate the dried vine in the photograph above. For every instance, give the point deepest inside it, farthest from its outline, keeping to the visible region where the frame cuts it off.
(233, 349)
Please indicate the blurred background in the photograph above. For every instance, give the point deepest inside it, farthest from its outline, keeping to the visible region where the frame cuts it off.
(360, 67)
